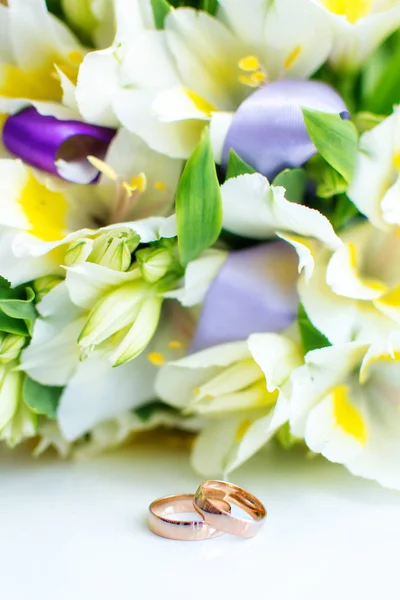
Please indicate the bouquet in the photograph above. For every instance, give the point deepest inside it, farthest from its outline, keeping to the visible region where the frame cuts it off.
(199, 227)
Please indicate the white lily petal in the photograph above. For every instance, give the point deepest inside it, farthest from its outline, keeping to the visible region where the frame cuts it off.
(219, 126)
(322, 371)
(98, 84)
(177, 380)
(277, 355)
(177, 139)
(88, 282)
(86, 399)
(199, 275)
(254, 208)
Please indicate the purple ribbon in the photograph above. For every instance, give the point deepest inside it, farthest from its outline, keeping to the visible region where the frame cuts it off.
(254, 292)
(58, 147)
(268, 129)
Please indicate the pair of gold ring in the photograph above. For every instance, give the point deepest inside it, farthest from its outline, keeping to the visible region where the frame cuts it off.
(212, 502)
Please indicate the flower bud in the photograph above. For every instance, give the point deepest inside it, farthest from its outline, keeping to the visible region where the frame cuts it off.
(10, 346)
(140, 333)
(78, 252)
(23, 425)
(10, 392)
(114, 249)
(115, 311)
(154, 263)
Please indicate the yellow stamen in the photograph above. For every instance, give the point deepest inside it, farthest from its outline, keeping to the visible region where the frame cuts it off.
(292, 57)
(159, 185)
(136, 184)
(175, 345)
(36, 201)
(201, 103)
(249, 80)
(103, 167)
(347, 416)
(156, 358)
(249, 63)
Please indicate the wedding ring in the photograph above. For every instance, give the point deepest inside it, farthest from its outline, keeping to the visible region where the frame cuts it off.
(207, 502)
(161, 524)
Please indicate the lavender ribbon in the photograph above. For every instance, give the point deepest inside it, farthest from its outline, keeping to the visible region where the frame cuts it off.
(58, 147)
(268, 129)
(254, 292)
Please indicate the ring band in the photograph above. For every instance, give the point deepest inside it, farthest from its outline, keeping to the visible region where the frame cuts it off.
(161, 524)
(207, 502)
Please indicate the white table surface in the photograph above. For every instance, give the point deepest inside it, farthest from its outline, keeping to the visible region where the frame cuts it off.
(76, 530)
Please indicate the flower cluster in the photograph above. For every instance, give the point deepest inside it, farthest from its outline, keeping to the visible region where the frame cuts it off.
(199, 227)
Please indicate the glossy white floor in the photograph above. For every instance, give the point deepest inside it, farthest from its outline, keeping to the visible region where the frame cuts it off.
(77, 531)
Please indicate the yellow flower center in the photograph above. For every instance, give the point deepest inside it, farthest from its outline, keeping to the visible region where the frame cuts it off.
(45, 210)
(38, 84)
(353, 10)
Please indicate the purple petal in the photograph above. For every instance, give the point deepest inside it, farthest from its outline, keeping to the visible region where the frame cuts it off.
(268, 130)
(58, 147)
(254, 292)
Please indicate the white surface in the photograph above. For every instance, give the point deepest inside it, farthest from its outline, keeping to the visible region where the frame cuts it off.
(77, 531)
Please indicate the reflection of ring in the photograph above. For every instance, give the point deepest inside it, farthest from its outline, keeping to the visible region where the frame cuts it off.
(160, 521)
(208, 503)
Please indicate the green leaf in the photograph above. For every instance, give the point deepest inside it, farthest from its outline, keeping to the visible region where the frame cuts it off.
(386, 89)
(294, 181)
(42, 399)
(198, 203)
(209, 6)
(54, 6)
(237, 166)
(161, 9)
(146, 412)
(4, 283)
(335, 139)
(10, 325)
(311, 337)
(344, 212)
(16, 308)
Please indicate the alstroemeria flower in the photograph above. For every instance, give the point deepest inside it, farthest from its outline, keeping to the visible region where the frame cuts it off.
(353, 293)
(345, 403)
(167, 85)
(39, 59)
(238, 388)
(360, 26)
(266, 212)
(138, 182)
(375, 189)
(94, 391)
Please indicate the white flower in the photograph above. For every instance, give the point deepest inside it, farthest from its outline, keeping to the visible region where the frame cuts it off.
(167, 85)
(236, 386)
(345, 403)
(140, 182)
(360, 26)
(375, 189)
(94, 391)
(353, 293)
(39, 58)
(267, 212)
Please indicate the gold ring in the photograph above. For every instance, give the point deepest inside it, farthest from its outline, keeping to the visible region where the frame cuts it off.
(160, 522)
(208, 500)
